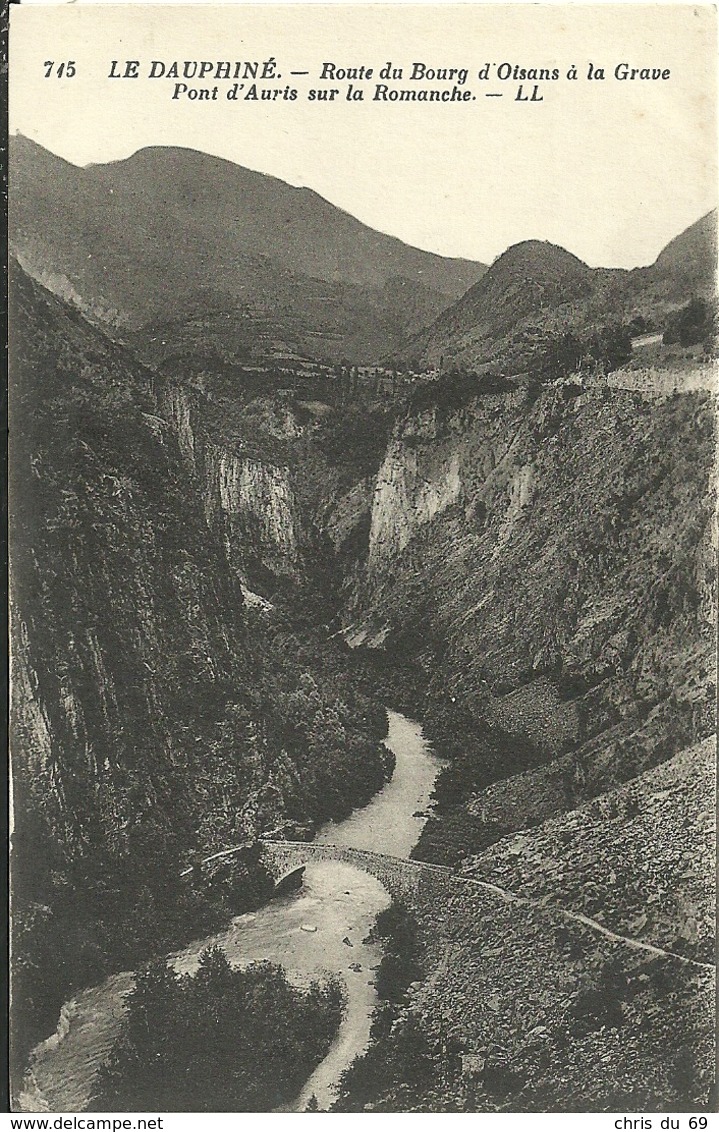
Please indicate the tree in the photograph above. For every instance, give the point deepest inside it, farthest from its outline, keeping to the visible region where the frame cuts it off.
(223, 1040)
(612, 346)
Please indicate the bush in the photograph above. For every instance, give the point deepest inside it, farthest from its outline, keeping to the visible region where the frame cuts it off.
(396, 928)
(402, 1060)
(691, 325)
(223, 1040)
(455, 390)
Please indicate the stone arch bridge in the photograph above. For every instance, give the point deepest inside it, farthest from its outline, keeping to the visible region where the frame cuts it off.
(404, 879)
(422, 885)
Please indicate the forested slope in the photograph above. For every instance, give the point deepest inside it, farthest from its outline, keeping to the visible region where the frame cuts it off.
(154, 715)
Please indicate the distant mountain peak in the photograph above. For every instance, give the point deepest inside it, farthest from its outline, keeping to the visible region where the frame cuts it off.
(537, 287)
(170, 233)
(538, 256)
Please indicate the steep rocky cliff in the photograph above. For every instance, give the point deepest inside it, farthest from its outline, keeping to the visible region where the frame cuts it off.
(102, 522)
(257, 505)
(286, 481)
(249, 503)
(547, 557)
(550, 559)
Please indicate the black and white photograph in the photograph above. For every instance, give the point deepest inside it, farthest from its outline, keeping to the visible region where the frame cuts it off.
(363, 560)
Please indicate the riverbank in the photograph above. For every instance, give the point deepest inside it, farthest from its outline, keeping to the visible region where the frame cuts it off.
(533, 996)
(340, 901)
(392, 822)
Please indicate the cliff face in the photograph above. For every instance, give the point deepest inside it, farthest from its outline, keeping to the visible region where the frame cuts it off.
(248, 502)
(550, 559)
(176, 406)
(409, 494)
(255, 505)
(125, 616)
(432, 465)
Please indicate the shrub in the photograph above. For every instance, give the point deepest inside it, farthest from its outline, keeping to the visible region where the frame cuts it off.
(691, 325)
(223, 1040)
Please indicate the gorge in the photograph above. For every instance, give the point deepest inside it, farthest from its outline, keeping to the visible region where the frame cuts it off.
(339, 901)
(230, 556)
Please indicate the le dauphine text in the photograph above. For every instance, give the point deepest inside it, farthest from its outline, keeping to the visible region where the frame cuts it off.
(266, 80)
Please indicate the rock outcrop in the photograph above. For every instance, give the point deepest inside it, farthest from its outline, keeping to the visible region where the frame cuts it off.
(551, 562)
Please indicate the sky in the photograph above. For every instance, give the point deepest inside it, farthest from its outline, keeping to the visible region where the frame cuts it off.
(610, 169)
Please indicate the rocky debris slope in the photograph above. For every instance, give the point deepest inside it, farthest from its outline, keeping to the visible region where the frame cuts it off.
(525, 1007)
(551, 1016)
(640, 859)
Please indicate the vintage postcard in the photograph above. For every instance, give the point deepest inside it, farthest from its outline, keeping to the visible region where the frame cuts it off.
(363, 559)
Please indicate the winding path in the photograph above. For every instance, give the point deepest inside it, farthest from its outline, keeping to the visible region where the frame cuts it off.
(401, 877)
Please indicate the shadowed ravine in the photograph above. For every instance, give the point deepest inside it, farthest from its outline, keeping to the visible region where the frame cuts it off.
(337, 899)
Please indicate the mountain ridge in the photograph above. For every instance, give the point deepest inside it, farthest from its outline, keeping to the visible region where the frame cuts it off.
(301, 276)
(537, 286)
(114, 234)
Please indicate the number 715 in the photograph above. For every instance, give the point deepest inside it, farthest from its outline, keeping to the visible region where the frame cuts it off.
(66, 69)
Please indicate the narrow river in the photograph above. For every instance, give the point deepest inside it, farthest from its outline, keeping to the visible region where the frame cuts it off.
(338, 901)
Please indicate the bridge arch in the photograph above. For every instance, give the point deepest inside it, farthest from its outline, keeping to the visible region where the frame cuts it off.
(402, 878)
